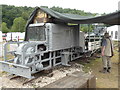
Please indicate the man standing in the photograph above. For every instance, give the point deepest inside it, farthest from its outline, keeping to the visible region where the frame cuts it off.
(107, 53)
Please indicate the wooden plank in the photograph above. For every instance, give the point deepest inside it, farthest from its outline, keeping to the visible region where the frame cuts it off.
(92, 81)
(74, 80)
(68, 82)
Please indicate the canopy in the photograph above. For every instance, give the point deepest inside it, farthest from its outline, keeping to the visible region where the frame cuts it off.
(112, 19)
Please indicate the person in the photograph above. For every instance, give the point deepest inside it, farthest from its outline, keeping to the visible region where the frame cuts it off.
(107, 53)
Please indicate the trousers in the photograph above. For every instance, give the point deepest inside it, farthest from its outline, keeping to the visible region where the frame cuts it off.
(106, 61)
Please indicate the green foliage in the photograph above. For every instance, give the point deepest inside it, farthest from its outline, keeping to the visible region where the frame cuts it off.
(25, 15)
(0, 14)
(10, 15)
(85, 28)
(18, 25)
(44, 6)
(72, 11)
(4, 28)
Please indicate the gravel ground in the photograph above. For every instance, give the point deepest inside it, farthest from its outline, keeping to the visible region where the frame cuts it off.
(58, 72)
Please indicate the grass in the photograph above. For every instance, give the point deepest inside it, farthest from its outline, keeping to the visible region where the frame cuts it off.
(9, 56)
(2, 73)
(109, 80)
(99, 60)
(88, 66)
(1, 58)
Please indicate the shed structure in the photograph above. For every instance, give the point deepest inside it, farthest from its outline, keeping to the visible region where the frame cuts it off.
(114, 32)
(45, 15)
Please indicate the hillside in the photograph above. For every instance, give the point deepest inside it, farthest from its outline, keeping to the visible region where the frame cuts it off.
(11, 13)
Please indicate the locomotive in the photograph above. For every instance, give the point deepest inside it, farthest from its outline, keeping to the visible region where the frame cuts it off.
(47, 44)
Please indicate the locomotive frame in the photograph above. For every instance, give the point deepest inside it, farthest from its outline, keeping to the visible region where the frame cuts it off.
(60, 44)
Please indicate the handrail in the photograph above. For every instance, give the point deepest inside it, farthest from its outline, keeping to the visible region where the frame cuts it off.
(6, 48)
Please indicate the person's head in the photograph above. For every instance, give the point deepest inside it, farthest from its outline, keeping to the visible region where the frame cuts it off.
(106, 35)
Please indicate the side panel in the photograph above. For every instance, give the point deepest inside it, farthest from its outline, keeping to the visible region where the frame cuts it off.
(76, 36)
(82, 40)
(63, 36)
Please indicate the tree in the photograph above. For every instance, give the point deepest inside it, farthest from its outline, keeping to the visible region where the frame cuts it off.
(18, 25)
(85, 28)
(9, 13)
(4, 28)
(25, 15)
